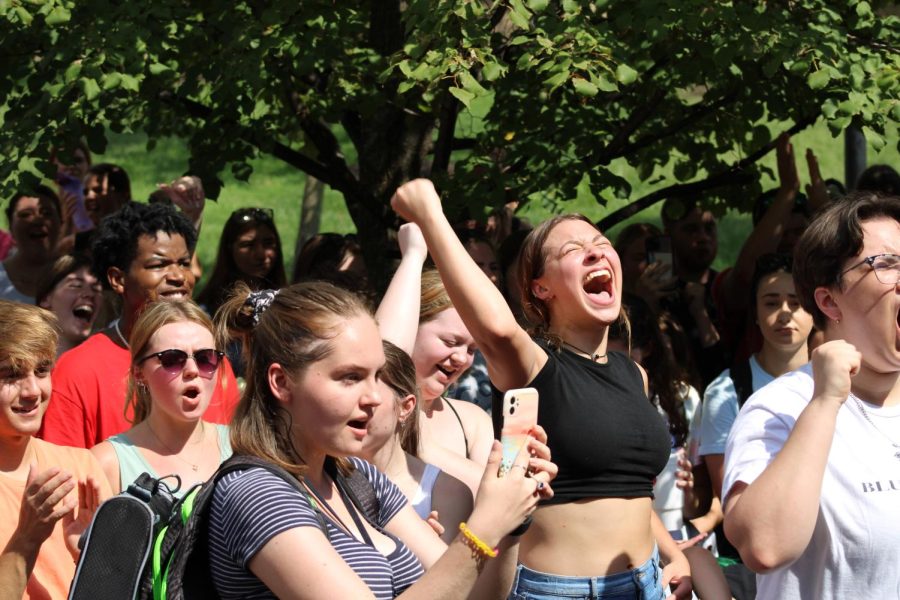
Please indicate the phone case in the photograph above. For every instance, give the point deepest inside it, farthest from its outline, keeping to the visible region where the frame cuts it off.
(520, 413)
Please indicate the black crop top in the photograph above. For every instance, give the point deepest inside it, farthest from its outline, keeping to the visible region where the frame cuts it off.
(606, 437)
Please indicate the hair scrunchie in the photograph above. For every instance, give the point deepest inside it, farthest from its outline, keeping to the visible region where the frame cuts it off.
(259, 302)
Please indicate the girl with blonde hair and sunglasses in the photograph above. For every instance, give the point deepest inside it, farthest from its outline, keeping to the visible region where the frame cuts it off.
(174, 371)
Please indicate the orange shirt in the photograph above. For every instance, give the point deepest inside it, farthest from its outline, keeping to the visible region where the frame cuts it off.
(55, 568)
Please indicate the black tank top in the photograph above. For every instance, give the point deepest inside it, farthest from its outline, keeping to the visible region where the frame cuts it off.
(606, 437)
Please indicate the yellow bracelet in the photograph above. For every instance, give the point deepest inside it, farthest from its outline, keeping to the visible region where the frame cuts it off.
(476, 542)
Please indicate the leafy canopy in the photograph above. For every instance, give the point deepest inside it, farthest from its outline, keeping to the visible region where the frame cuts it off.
(493, 99)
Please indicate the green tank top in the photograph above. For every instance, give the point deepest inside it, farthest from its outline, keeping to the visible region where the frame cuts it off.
(132, 463)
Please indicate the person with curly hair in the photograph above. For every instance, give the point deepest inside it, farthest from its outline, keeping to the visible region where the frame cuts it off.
(143, 254)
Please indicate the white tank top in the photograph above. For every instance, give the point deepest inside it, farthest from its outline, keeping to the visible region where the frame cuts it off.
(421, 502)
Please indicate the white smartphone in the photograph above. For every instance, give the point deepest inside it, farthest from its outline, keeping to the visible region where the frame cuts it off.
(520, 414)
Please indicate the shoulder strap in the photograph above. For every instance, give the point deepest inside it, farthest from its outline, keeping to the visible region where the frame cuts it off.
(358, 488)
(461, 426)
(742, 378)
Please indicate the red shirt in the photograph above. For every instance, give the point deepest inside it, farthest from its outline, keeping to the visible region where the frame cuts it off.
(87, 404)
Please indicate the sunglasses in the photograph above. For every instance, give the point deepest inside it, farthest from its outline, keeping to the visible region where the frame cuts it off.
(174, 360)
(246, 215)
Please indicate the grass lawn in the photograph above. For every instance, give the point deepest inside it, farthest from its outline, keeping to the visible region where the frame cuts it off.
(277, 185)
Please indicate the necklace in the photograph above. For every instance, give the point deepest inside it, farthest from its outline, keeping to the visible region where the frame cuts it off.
(593, 356)
(119, 333)
(865, 415)
(193, 466)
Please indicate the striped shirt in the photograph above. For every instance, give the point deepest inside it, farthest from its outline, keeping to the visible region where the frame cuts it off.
(252, 506)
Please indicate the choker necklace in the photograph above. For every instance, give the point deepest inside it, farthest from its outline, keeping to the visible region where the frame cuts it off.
(119, 333)
(865, 415)
(175, 454)
(593, 356)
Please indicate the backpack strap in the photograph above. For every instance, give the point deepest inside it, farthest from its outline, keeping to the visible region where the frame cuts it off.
(742, 378)
(358, 488)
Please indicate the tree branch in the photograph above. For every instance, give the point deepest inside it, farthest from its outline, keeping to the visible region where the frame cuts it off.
(324, 140)
(446, 130)
(320, 171)
(696, 115)
(386, 34)
(732, 175)
(637, 118)
(464, 143)
(353, 126)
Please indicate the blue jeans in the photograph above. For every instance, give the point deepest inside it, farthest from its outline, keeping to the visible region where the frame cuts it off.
(642, 583)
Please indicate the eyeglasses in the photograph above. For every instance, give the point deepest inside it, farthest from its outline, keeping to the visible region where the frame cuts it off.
(174, 360)
(246, 215)
(886, 267)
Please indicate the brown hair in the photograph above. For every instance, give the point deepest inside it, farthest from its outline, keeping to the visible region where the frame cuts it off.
(531, 266)
(433, 299)
(61, 268)
(149, 322)
(30, 335)
(399, 373)
(294, 330)
(834, 236)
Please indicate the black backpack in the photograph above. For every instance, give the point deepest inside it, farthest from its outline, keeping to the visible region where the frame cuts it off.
(144, 544)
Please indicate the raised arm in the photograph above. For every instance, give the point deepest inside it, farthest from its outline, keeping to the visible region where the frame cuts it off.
(398, 313)
(766, 235)
(513, 359)
(771, 534)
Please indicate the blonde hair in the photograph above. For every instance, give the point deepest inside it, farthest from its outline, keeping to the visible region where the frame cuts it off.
(293, 329)
(151, 320)
(30, 335)
(433, 299)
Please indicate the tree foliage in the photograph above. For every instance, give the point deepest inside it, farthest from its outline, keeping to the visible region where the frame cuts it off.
(493, 99)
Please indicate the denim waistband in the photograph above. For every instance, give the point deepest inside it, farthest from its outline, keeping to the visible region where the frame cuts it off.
(642, 582)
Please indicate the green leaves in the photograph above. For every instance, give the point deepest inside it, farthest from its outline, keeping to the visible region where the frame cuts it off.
(818, 79)
(584, 87)
(89, 88)
(625, 74)
(462, 95)
(58, 16)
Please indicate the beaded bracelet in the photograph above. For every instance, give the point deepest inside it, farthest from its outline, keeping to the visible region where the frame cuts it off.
(475, 542)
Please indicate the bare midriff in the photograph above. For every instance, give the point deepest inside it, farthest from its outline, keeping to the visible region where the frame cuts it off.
(589, 538)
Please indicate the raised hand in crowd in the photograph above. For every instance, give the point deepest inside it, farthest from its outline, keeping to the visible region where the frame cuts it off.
(187, 194)
(816, 190)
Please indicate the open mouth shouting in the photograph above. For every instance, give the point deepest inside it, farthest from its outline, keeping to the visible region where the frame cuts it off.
(84, 313)
(598, 286)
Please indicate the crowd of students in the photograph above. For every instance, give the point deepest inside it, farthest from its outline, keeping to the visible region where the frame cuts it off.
(729, 434)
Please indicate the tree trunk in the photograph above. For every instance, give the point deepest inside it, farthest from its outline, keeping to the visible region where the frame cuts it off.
(310, 212)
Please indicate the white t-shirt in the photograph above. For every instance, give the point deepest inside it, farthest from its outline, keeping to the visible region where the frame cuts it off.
(8, 291)
(720, 407)
(668, 499)
(854, 551)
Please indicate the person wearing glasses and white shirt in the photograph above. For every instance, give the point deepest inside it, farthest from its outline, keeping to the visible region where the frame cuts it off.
(174, 366)
(812, 464)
